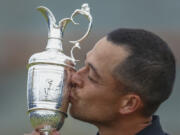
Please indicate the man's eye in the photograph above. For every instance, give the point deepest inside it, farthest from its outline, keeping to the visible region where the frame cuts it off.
(91, 79)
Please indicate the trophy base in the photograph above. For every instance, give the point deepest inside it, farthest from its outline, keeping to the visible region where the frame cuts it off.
(46, 121)
(45, 133)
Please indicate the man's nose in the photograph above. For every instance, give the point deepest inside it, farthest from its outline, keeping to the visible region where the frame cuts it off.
(77, 79)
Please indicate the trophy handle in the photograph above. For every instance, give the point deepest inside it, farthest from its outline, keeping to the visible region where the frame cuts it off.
(85, 10)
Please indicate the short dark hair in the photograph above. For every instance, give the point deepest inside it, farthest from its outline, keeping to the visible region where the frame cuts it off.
(150, 68)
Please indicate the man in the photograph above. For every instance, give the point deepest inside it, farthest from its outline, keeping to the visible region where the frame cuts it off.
(126, 76)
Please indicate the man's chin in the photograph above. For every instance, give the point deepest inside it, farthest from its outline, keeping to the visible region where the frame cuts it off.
(75, 113)
(79, 116)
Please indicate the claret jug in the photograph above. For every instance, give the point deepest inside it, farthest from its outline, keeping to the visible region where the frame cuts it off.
(47, 105)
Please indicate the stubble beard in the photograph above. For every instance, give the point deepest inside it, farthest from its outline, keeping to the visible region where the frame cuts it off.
(77, 114)
(89, 118)
(82, 115)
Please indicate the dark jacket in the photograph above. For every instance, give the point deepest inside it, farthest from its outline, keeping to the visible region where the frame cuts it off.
(153, 129)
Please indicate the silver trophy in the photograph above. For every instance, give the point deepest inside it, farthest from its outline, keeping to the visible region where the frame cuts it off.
(47, 105)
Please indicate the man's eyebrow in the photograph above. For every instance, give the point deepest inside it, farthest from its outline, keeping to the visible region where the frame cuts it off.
(94, 69)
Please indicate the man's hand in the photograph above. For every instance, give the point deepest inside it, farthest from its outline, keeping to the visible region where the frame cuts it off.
(37, 133)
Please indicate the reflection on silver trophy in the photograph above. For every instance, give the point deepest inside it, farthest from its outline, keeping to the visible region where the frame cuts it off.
(47, 106)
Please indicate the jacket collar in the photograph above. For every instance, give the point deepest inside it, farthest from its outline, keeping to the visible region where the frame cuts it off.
(153, 129)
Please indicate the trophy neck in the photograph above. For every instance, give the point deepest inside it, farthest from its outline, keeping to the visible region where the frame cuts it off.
(54, 43)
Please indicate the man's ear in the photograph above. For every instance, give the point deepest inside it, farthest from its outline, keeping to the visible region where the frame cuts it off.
(130, 103)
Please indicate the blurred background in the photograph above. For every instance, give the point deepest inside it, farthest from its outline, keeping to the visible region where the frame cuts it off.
(23, 32)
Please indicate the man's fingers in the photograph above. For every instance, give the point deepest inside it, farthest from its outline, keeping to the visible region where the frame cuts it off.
(56, 133)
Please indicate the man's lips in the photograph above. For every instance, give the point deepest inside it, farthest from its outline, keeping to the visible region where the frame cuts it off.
(72, 87)
(71, 97)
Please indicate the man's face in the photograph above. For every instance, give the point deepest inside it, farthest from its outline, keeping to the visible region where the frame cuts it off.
(95, 98)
